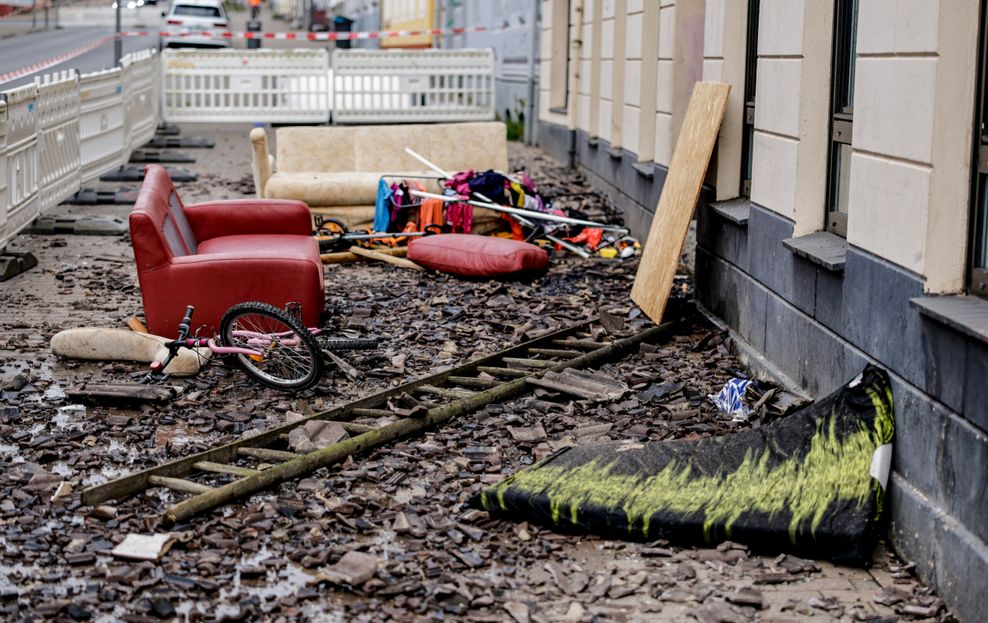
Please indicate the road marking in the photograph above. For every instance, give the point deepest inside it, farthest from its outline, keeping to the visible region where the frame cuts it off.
(55, 60)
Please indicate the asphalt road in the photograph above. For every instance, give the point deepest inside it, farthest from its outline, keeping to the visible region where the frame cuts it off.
(27, 49)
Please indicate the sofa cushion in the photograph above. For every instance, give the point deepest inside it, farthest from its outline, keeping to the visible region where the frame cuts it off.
(477, 256)
(382, 148)
(451, 146)
(459, 146)
(307, 148)
(318, 189)
(277, 246)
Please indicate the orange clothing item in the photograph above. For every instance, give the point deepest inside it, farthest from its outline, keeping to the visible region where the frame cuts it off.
(431, 212)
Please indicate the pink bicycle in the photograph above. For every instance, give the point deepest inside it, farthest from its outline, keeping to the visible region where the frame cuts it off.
(271, 345)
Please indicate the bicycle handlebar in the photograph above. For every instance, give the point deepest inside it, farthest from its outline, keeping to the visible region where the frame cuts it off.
(184, 326)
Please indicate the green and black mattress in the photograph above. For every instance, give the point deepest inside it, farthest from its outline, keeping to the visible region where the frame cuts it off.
(811, 483)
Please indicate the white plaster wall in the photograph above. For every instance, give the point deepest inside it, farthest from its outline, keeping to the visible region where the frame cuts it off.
(545, 69)
(912, 138)
(789, 168)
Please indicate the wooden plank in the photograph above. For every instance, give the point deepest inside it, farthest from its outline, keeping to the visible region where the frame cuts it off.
(223, 468)
(179, 484)
(581, 344)
(397, 261)
(456, 394)
(679, 195)
(502, 372)
(529, 363)
(267, 454)
(556, 352)
(344, 257)
(471, 381)
(122, 393)
(359, 413)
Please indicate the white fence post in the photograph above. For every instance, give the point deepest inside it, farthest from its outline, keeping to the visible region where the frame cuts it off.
(4, 187)
(102, 123)
(22, 160)
(413, 86)
(59, 157)
(280, 86)
(139, 82)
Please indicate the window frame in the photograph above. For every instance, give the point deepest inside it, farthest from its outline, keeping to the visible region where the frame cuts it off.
(843, 59)
(750, 78)
(978, 266)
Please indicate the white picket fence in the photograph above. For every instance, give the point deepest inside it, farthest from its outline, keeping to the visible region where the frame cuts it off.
(22, 159)
(65, 130)
(413, 86)
(58, 151)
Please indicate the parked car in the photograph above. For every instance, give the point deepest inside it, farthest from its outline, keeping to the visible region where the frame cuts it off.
(195, 15)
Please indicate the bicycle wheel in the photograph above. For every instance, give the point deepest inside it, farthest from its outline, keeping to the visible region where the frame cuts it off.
(288, 355)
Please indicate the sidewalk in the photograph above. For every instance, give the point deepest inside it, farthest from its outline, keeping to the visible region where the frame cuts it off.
(405, 503)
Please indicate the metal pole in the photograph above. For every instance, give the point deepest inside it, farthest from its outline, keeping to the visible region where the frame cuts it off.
(46, 13)
(118, 41)
(535, 31)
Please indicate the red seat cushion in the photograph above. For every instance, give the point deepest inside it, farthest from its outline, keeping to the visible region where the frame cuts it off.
(256, 246)
(477, 256)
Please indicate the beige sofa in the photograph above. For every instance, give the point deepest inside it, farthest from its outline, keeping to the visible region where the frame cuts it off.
(335, 169)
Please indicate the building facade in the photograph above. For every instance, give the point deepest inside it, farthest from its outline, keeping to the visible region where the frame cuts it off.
(845, 218)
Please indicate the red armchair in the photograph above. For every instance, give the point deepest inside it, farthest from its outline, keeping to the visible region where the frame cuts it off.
(216, 254)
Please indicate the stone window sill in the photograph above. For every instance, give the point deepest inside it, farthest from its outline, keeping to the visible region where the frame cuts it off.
(736, 211)
(558, 111)
(823, 248)
(967, 314)
(615, 153)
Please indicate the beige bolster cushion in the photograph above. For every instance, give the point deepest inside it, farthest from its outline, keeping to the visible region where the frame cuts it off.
(121, 345)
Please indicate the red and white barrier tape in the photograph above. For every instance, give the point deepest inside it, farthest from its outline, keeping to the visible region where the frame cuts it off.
(229, 34)
(311, 36)
(55, 60)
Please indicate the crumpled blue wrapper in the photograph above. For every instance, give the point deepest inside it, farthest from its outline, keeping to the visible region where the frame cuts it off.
(730, 400)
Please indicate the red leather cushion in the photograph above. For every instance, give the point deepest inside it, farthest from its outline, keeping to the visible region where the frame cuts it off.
(257, 246)
(477, 256)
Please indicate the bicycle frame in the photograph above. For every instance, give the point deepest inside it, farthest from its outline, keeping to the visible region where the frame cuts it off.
(252, 337)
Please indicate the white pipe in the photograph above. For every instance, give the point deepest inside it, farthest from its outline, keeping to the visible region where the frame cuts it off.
(432, 166)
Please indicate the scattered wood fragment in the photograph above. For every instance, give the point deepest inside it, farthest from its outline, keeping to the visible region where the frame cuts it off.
(376, 255)
(582, 384)
(144, 546)
(345, 257)
(136, 325)
(99, 393)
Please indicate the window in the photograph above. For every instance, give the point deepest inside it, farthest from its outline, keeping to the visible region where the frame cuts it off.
(559, 68)
(979, 212)
(841, 113)
(194, 10)
(750, 69)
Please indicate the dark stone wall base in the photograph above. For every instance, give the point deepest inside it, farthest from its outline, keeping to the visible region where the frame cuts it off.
(634, 190)
(556, 141)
